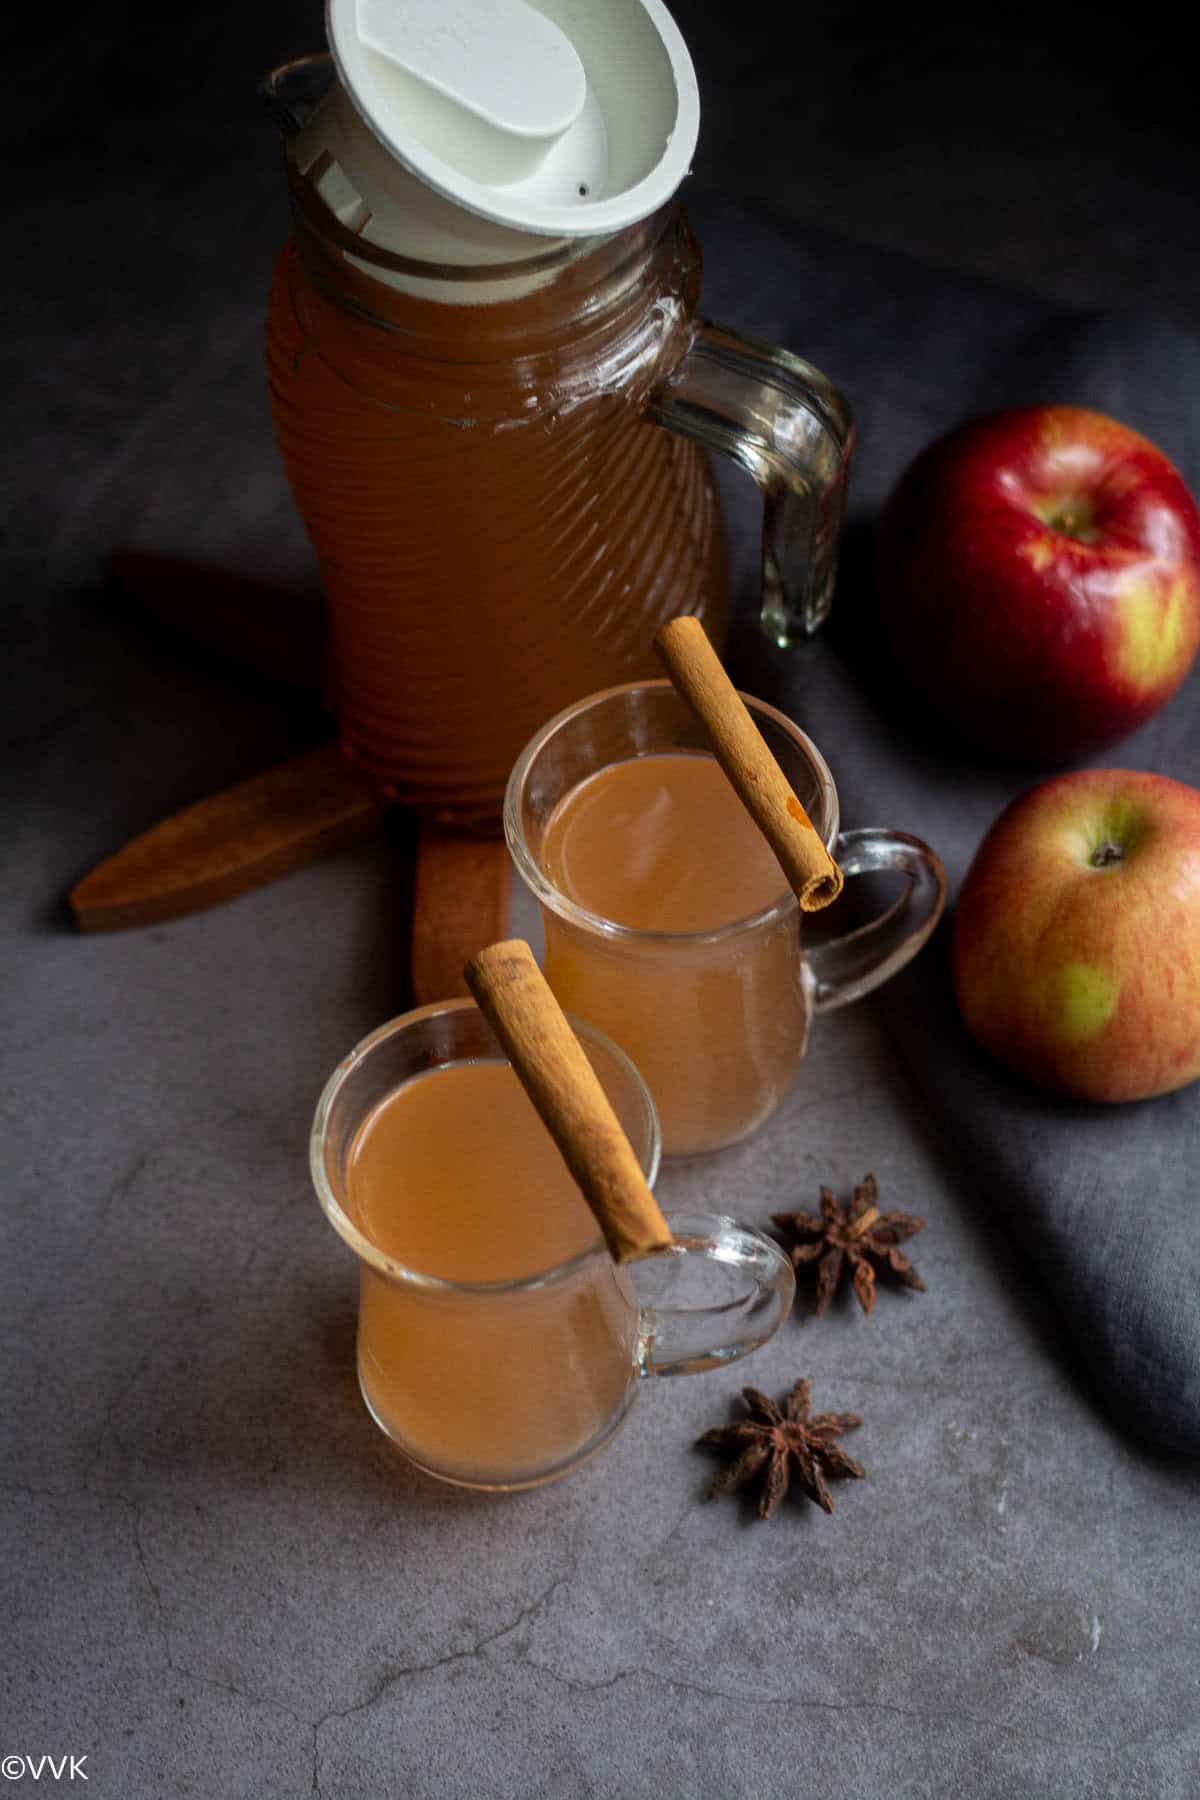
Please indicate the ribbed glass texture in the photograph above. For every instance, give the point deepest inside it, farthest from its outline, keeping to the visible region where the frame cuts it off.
(499, 528)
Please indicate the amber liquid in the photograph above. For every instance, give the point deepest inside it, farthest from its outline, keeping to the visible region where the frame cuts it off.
(717, 1027)
(499, 529)
(453, 1175)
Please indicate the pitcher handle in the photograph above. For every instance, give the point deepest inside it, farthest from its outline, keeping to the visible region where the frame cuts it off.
(847, 967)
(792, 431)
(757, 1285)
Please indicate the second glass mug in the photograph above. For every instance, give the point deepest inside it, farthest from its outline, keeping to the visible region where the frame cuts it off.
(716, 1021)
(507, 1384)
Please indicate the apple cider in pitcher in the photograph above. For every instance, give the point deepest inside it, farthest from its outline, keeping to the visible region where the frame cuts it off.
(454, 1177)
(491, 392)
(499, 527)
(702, 984)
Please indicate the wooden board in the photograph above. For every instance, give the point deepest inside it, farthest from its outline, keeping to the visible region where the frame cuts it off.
(460, 905)
(220, 847)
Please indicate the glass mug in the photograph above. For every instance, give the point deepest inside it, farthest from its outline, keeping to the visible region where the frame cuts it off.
(716, 1021)
(507, 1384)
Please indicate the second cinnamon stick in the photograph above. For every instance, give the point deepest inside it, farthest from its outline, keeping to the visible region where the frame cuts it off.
(553, 1067)
(738, 745)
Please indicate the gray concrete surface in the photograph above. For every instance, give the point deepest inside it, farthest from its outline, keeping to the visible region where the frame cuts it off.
(216, 1577)
(220, 1579)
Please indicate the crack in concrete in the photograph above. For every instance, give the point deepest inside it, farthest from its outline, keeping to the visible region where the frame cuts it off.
(164, 1636)
(392, 1677)
(107, 1424)
(314, 1726)
(575, 1684)
(802, 1703)
(118, 1189)
(155, 1592)
(40, 1493)
(654, 1555)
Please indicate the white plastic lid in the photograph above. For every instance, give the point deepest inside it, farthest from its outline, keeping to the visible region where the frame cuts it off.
(560, 117)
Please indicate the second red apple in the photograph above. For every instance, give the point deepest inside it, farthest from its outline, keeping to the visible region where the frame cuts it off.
(1076, 947)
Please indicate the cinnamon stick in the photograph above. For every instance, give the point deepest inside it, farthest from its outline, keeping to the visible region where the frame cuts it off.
(738, 745)
(515, 998)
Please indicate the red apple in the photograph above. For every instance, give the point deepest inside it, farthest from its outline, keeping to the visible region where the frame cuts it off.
(1039, 582)
(1076, 947)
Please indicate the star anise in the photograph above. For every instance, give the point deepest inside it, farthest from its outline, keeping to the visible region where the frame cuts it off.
(859, 1235)
(773, 1443)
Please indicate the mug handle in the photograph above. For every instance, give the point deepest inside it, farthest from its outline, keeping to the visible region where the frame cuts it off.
(759, 1285)
(792, 431)
(847, 967)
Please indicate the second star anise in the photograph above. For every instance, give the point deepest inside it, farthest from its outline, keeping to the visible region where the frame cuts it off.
(772, 1443)
(858, 1235)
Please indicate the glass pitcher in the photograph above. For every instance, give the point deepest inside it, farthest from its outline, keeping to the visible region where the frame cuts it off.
(496, 427)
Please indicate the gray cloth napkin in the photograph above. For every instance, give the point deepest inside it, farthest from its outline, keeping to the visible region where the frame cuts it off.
(1103, 1200)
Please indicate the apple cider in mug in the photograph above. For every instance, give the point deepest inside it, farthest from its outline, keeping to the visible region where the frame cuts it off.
(454, 1175)
(662, 846)
(669, 924)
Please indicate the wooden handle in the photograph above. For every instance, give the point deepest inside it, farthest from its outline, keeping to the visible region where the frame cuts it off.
(554, 1070)
(460, 904)
(239, 839)
(738, 745)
